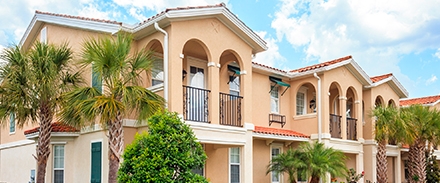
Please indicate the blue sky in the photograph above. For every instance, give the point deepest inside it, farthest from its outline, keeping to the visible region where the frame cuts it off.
(398, 36)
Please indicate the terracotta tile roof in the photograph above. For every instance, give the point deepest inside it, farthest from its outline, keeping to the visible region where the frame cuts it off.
(422, 100)
(79, 17)
(277, 131)
(273, 68)
(183, 8)
(317, 66)
(56, 127)
(381, 77)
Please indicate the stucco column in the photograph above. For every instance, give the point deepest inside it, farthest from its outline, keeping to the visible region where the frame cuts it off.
(343, 107)
(360, 164)
(175, 92)
(359, 122)
(397, 167)
(247, 154)
(214, 86)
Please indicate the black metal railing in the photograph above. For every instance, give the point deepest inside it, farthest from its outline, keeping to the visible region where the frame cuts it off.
(335, 126)
(277, 118)
(230, 109)
(195, 104)
(351, 129)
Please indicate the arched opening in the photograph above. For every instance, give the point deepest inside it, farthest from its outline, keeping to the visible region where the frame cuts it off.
(391, 103)
(379, 101)
(335, 111)
(194, 78)
(351, 114)
(230, 89)
(157, 71)
(305, 101)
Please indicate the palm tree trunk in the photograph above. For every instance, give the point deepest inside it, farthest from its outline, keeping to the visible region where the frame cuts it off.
(381, 163)
(43, 149)
(116, 145)
(314, 179)
(417, 164)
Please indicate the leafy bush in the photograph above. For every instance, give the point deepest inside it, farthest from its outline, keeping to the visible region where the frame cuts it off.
(167, 153)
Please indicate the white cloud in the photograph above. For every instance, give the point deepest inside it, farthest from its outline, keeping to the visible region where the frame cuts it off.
(271, 55)
(437, 53)
(431, 80)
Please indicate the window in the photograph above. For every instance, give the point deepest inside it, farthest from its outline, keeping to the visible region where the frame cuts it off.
(96, 80)
(43, 35)
(275, 151)
(157, 71)
(234, 86)
(234, 162)
(58, 163)
(301, 101)
(96, 162)
(274, 99)
(12, 122)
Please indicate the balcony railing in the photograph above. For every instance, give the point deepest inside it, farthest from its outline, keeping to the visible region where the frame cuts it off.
(230, 110)
(277, 118)
(195, 104)
(335, 126)
(351, 129)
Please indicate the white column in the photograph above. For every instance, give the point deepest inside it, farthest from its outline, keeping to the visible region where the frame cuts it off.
(247, 155)
(360, 164)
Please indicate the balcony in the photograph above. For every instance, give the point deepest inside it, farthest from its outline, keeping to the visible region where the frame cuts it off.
(335, 126)
(277, 118)
(230, 110)
(195, 104)
(351, 129)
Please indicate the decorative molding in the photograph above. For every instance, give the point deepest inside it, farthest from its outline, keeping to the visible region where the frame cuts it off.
(357, 102)
(342, 98)
(211, 64)
(181, 55)
(269, 141)
(305, 116)
(17, 144)
(156, 88)
(243, 72)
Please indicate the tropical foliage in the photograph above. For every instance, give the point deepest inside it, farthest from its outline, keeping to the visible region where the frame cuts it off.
(432, 167)
(387, 127)
(167, 153)
(117, 68)
(313, 160)
(32, 83)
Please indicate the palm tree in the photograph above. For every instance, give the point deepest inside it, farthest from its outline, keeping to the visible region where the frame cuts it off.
(320, 160)
(386, 128)
(120, 69)
(422, 126)
(288, 162)
(32, 82)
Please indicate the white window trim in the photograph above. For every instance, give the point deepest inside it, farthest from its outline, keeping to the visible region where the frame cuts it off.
(239, 164)
(15, 126)
(302, 90)
(43, 35)
(158, 56)
(273, 146)
(277, 99)
(64, 162)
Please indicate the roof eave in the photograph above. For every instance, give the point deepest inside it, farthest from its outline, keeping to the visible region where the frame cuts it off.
(394, 84)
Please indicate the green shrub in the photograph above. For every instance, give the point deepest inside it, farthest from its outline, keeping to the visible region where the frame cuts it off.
(167, 153)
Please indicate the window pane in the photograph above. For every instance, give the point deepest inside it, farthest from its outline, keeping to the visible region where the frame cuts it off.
(58, 176)
(11, 122)
(300, 100)
(235, 155)
(235, 173)
(157, 71)
(275, 175)
(58, 157)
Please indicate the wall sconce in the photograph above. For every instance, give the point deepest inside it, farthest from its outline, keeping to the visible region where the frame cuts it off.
(183, 74)
(312, 104)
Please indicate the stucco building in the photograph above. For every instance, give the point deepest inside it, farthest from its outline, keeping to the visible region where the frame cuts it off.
(242, 112)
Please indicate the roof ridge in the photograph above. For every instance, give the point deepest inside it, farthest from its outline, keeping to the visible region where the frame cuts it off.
(319, 65)
(269, 67)
(431, 96)
(78, 17)
(375, 79)
(279, 131)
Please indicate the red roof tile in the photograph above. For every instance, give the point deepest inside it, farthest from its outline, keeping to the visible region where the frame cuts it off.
(381, 77)
(317, 66)
(79, 17)
(422, 100)
(273, 68)
(277, 131)
(56, 127)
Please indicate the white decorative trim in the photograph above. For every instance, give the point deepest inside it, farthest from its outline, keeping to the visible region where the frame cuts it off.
(370, 142)
(342, 98)
(16, 144)
(323, 136)
(243, 72)
(219, 65)
(357, 102)
(215, 128)
(130, 123)
(156, 88)
(305, 116)
(181, 55)
(249, 126)
(58, 143)
(54, 134)
(211, 64)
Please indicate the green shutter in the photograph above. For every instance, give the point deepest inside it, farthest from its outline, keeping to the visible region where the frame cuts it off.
(96, 162)
(12, 122)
